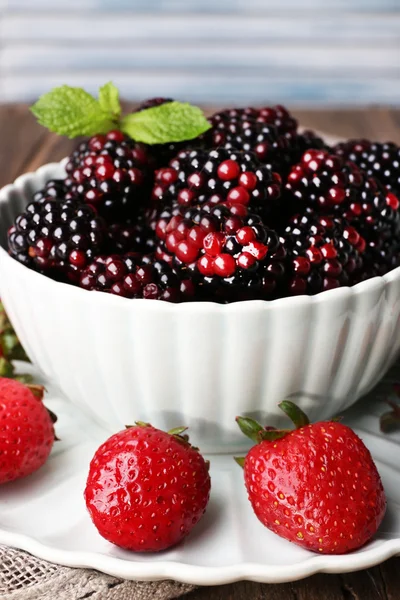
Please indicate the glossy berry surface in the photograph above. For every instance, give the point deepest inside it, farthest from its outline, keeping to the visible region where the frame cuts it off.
(55, 236)
(135, 276)
(146, 489)
(271, 148)
(300, 142)
(323, 253)
(228, 251)
(26, 431)
(112, 173)
(317, 487)
(327, 184)
(380, 160)
(215, 177)
(278, 116)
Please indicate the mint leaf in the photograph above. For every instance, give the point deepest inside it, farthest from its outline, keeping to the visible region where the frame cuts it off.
(72, 112)
(109, 99)
(169, 122)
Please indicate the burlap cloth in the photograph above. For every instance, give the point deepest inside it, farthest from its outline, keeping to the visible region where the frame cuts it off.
(23, 577)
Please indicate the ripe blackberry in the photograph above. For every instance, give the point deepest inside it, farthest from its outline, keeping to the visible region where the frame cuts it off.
(55, 236)
(136, 276)
(381, 161)
(299, 143)
(134, 236)
(278, 116)
(262, 140)
(197, 177)
(323, 253)
(381, 256)
(228, 251)
(152, 102)
(113, 173)
(325, 183)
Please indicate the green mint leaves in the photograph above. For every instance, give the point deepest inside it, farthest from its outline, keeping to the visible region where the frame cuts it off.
(72, 112)
(169, 122)
(109, 100)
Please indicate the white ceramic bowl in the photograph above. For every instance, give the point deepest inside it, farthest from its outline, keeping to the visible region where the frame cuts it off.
(198, 364)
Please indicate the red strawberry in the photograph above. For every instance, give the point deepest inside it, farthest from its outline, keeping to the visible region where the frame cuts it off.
(146, 488)
(316, 486)
(26, 430)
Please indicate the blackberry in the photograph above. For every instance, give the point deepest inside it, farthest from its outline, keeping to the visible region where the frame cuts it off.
(380, 160)
(299, 143)
(136, 276)
(278, 116)
(197, 177)
(113, 173)
(134, 236)
(262, 140)
(227, 251)
(56, 236)
(323, 253)
(152, 102)
(381, 256)
(327, 184)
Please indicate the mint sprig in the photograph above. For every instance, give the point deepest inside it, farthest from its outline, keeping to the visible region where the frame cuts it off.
(73, 112)
(169, 122)
(109, 100)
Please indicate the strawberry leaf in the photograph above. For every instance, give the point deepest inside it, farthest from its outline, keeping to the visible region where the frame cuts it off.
(249, 427)
(240, 460)
(295, 414)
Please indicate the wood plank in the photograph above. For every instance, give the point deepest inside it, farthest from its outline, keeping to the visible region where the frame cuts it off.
(20, 138)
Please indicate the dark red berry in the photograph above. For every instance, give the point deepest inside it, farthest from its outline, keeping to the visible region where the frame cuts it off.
(379, 160)
(112, 172)
(230, 257)
(135, 276)
(326, 184)
(215, 177)
(56, 235)
(322, 254)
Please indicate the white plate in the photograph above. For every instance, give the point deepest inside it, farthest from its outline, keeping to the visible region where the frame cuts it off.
(45, 515)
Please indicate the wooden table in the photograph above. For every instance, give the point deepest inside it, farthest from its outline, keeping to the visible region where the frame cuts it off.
(24, 146)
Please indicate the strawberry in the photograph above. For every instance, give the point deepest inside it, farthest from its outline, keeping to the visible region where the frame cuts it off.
(26, 429)
(316, 485)
(146, 488)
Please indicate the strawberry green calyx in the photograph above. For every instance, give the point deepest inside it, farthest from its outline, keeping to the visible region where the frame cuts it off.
(294, 413)
(177, 432)
(257, 433)
(73, 112)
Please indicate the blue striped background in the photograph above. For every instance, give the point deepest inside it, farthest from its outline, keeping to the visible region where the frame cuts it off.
(310, 52)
